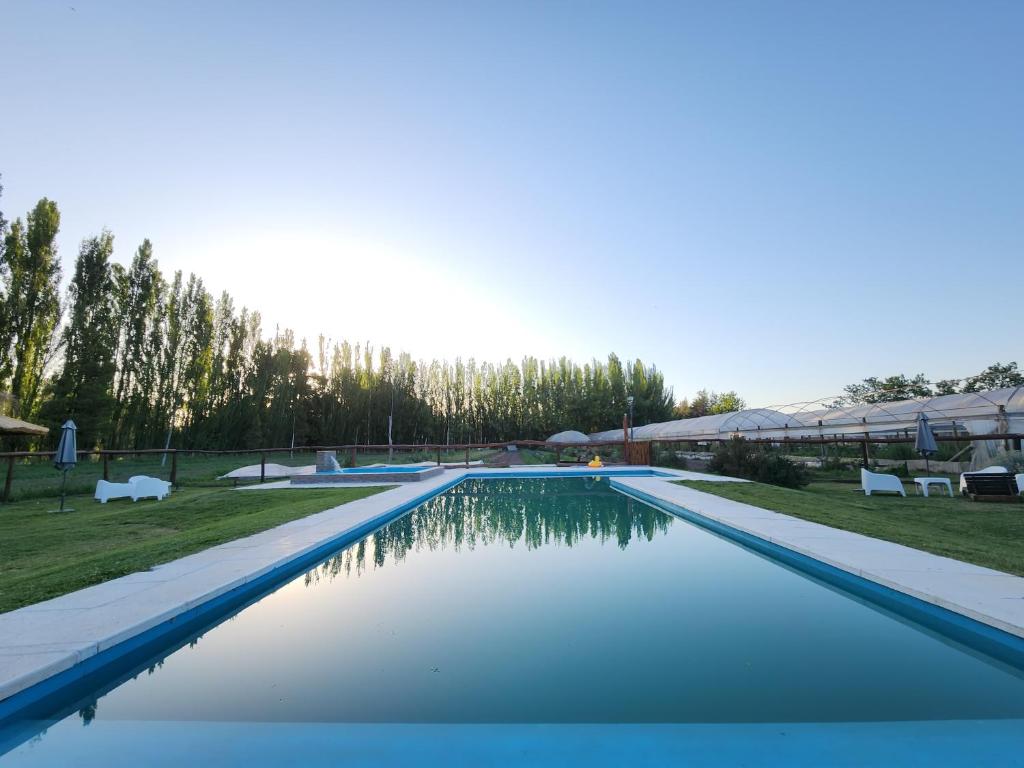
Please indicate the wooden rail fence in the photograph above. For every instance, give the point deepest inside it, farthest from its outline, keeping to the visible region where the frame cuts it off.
(635, 452)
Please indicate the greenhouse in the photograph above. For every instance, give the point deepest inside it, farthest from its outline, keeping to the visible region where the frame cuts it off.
(570, 436)
(997, 411)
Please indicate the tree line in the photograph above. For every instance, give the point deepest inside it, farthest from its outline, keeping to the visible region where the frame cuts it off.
(889, 389)
(141, 359)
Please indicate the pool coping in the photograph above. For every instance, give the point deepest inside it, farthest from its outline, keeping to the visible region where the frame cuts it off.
(44, 645)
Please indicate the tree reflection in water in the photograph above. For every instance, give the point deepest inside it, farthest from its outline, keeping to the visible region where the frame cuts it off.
(558, 511)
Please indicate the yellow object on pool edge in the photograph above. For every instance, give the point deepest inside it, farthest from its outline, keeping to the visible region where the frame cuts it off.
(595, 462)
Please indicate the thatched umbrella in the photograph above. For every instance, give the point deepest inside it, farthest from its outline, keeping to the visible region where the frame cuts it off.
(12, 426)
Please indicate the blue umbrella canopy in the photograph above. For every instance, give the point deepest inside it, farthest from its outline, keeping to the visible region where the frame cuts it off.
(67, 449)
(924, 443)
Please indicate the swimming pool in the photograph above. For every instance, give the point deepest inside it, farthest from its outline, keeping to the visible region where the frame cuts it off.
(555, 600)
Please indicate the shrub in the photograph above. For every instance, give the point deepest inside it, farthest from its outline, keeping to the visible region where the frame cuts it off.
(667, 456)
(738, 458)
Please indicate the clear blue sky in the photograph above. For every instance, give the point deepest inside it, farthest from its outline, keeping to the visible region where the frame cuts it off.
(777, 198)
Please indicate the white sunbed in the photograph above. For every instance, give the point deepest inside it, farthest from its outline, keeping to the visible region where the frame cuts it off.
(872, 482)
(137, 487)
(144, 487)
(106, 490)
(985, 471)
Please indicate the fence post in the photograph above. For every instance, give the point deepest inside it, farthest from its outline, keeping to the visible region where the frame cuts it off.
(9, 479)
(174, 467)
(467, 456)
(263, 466)
(353, 456)
(106, 467)
(439, 455)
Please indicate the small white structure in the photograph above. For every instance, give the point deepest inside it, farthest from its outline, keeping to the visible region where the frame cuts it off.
(137, 487)
(922, 484)
(873, 482)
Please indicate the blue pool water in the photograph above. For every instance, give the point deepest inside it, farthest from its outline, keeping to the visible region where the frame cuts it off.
(553, 601)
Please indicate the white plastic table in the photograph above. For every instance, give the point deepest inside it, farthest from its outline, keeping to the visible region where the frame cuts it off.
(923, 483)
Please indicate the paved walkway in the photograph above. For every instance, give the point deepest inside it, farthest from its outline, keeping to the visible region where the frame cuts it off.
(45, 639)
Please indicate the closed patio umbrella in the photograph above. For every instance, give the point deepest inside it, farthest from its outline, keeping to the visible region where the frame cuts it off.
(67, 455)
(924, 443)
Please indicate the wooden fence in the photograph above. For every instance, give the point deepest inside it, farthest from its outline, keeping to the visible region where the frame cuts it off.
(636, 452)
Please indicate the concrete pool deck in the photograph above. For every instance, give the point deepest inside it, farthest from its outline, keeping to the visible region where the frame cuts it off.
(45, 639)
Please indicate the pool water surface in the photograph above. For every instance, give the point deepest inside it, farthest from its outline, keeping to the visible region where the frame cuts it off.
(558, 601)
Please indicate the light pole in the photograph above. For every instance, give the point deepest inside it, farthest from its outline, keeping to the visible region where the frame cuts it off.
(629, 402)
(391, 420)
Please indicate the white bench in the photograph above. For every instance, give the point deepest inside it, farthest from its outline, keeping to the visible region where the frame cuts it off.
(137, 487)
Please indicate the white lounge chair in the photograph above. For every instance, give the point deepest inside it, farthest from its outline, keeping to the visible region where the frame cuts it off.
(986, 470)
(144, 487)
(137, 487)
(105, 490)
(1020, 483)
(872, 482)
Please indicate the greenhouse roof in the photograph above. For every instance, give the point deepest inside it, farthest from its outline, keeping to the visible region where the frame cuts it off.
(999, 410)
(570, 436)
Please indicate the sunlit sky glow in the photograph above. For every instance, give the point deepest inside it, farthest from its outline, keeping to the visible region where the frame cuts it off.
(753, 196)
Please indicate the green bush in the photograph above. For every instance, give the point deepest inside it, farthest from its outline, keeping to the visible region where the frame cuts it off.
(667, 456)
(738, 458)
(900, 470)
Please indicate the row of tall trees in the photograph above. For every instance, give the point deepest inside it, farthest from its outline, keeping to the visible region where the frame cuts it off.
(139, 358)
(706, 403)
(888, 389)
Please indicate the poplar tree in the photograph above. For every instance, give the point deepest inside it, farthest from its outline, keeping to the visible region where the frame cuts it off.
(5, 335)
(136, 293)
(83, 391)
(32, 305)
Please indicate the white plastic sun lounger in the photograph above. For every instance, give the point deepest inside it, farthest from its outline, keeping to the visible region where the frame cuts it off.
(872, 482)
(144, 487)
(137, 487)
(105, 490)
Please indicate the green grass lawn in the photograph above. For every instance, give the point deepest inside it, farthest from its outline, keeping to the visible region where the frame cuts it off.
(475, 454)
(535, 456)
(984, 533)
(36, 478)
(44, 554)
